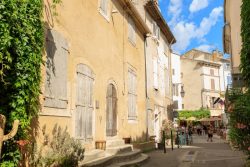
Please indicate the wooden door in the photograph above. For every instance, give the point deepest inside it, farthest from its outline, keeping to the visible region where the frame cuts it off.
(84, 102)
(111, 115)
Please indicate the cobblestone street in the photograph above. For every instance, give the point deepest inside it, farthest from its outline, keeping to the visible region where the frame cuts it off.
(200, 154)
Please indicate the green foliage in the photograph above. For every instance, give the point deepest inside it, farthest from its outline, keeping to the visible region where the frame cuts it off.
(201, 113)
(239, 119)
(60, 150)
(245, 35)
(238, 105)
(21, 48)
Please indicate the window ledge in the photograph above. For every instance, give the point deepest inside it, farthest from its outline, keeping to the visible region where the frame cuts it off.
(56, 113)
(132, 121)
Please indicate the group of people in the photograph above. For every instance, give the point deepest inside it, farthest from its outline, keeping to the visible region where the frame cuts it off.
(185, 136)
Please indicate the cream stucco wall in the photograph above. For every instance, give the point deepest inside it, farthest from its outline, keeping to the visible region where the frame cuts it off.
(193, 84)
(232, 17)
(102, 44)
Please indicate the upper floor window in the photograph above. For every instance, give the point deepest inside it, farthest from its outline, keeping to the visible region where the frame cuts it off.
(212, 84)
(156, 31)
(131, 31)
(104, 7)
(173, 71)
(155, 73)
(212, 72)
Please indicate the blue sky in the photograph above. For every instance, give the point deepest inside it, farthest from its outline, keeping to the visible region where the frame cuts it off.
(194, 23)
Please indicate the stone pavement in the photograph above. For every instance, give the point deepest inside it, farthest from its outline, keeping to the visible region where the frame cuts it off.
(200, 154)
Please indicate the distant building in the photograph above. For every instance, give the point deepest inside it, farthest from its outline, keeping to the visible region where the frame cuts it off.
(232, 37)
(205, 77)
(177, 86)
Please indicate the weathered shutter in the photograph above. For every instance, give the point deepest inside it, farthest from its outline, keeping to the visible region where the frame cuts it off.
(131, 30)
(132, 96)
(84, 103)
(167, 84)
(56, 70)
(103, 6)
(212, 84)
(155, 73)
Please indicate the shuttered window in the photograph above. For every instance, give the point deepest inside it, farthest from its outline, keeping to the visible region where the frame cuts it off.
(212, 72)
(132, 95)
(104, 6)
(155, 73)
(131, 30)
(156, 30)
(212, 84)
(84, 102)
(56, 70)
(167, 82)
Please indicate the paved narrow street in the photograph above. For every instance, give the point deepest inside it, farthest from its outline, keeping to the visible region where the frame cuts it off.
(200, 154)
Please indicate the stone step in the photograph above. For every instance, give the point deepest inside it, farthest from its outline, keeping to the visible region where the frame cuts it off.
(136, 162)
(119, 149)
(127, 156)
(93, 155)
(118, 158)
(114, 142)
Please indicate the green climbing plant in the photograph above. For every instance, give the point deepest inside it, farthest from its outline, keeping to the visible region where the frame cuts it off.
(21, 49)
(201, 113)
(245, 36)
(238, 98)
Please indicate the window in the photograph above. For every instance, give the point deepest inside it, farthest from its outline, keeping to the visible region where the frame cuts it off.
(212, 72)
(177, 89)
(174, 89)
(56, 70)
(104, 7)
(165, 45)
(155, 73)
(156, 31)
(131, 31)
(182, 106)
(229, 79)
(167, 82)
(173, 71)
(132, 95)
(212, 84)
(181, 74)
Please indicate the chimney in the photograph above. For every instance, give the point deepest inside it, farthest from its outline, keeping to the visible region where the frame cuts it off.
(216, 55)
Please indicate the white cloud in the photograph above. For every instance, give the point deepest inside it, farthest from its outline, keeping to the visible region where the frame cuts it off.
(185, 32)
(206, 48)
(197, 5)
(208, 22)
(175, 9)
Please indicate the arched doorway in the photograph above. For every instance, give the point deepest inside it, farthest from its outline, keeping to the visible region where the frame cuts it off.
(111, 111)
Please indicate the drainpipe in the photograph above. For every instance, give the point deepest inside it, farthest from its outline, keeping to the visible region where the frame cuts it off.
(146, 83)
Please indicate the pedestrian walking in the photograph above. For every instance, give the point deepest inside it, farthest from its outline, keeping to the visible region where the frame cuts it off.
(204, 130)
(210, 134)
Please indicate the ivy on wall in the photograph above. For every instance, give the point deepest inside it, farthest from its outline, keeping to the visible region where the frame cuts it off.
(245, 34)
(21, 49)
(239, 106)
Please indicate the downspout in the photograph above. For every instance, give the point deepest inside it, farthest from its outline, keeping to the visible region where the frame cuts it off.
(170, 69)
(146, 83)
